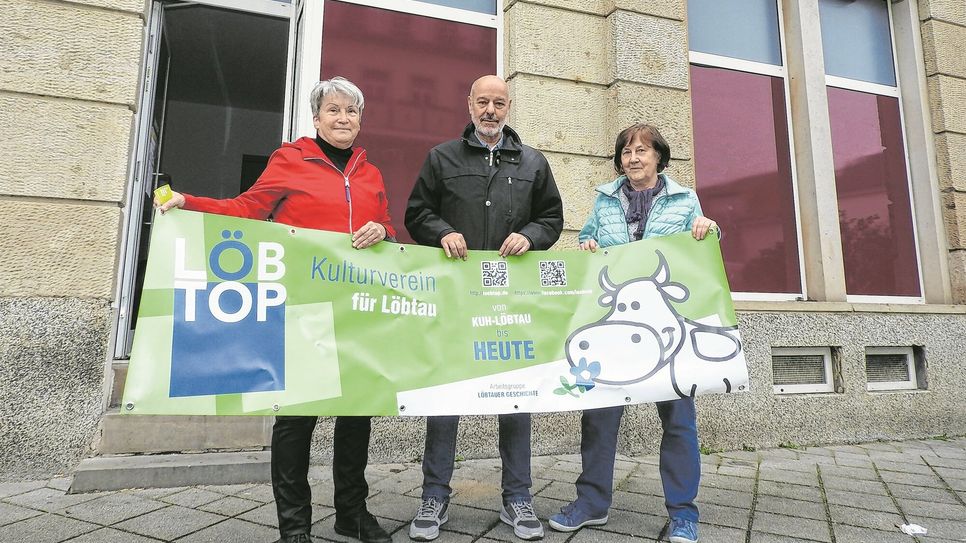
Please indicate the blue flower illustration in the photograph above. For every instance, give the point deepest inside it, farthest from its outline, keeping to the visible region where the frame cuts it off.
(585, 373)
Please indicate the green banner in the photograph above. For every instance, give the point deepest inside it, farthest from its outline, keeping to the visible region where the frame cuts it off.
(249, 317)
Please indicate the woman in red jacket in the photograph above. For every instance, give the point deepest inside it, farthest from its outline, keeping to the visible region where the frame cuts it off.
(325, 184)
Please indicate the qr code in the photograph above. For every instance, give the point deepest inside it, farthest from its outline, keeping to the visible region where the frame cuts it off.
(495, 273)
(553, 273)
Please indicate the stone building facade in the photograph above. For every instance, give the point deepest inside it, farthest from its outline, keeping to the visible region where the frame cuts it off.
(579, 71)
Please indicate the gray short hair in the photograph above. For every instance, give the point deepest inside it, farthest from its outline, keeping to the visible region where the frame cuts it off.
(337, 84)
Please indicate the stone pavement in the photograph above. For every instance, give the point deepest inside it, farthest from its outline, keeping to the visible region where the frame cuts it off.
(835, 494)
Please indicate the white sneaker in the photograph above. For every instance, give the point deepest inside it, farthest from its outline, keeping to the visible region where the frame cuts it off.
(430, 516)
(520, 515)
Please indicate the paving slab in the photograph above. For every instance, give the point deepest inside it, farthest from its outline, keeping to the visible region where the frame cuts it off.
(263, 493)
(789, 490)
(396, 507)
(14, 488)
(634, 524)
(266, 515)
(47, 528)
(853, 534)
(921, 493)
(641, 485)
(723, 496)
(916, 508)
(948, 530)
(919, 468)
(599, 536)
(762, 537)
(849, 472)
(10, 513)
(791, 508)
(853, 460)
(864, 518)
(721, 534)
(192, 497)
(786, 464)
(947, 472)
(941, 462)
(860, 500)
(792, 504)
(642, 503)
(855, 485)
(49, 499)
(814, 530)
(230, 506)
(808, 478)
(111, 535)
(159, 523)
(234, 530)
(722, 515)
(912, 478)
(112, 508)
(729, 482)
(737, 471)
(559, 490)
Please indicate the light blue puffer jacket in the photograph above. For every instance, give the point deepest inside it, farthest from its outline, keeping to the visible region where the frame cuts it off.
(673, 211)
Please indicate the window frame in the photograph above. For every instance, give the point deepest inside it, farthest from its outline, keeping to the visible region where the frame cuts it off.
(761, 68)
(826, 388)
(893, 92)
(822, 263)
(307, 60)
(893, 386)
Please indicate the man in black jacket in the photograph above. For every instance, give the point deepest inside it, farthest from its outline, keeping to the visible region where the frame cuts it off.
(485, 191)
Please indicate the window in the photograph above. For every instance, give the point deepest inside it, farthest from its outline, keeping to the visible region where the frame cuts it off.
(414, 61)
(892, 368)
(871, 181)
(742, 155)
(745, 132)
(797, 370)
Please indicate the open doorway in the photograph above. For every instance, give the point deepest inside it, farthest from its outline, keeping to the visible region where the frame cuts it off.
(211, 114)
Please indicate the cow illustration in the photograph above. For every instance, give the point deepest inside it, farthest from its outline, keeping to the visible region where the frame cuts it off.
(643, 336)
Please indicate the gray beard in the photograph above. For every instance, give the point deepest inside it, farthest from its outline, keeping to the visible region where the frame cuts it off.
(490, 133)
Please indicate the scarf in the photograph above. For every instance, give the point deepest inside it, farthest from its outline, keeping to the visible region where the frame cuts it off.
(639, 204)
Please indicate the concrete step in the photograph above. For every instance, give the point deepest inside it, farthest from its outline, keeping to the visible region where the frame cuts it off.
(171, 470)
(121, 434)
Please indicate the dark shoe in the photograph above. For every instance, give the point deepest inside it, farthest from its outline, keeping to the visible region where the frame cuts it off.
(297, 538)
(362, 527)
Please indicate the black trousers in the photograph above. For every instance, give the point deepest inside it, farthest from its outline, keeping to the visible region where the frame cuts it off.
(291, 439)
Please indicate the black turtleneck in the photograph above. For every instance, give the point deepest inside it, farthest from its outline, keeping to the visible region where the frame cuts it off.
(339, 157)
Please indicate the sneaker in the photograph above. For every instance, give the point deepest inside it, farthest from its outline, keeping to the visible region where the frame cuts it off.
(520, 515)
(683, 531)
(430, 516)
(572, 518)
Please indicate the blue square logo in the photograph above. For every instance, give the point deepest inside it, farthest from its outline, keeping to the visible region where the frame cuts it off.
(212, 356)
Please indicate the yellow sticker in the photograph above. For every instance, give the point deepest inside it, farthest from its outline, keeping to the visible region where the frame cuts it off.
(163, 193)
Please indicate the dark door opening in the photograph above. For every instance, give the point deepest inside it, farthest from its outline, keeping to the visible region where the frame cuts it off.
(216, 116)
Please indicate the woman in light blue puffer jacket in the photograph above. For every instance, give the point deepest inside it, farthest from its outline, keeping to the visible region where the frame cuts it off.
(641, 203)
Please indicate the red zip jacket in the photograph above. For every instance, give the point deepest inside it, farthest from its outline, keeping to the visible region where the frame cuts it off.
(301, 187)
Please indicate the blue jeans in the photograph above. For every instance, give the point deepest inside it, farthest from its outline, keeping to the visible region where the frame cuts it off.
(680, 462)
(440, 453)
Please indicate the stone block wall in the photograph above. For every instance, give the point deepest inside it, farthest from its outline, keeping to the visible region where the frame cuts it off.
(68, 85)
(757, 418)
(579, 72)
